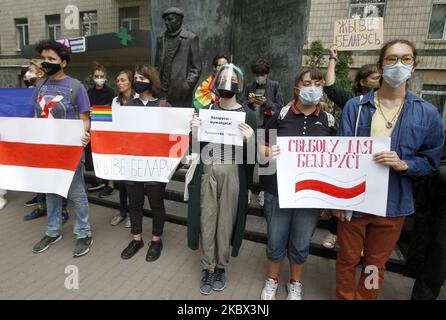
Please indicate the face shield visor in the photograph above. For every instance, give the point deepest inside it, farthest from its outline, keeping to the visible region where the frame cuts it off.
(228, 80)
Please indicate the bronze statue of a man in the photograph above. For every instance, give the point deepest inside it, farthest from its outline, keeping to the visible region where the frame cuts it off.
(177, 60)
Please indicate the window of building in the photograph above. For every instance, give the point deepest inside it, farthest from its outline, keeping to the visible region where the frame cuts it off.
(436, 95)
(437, 27)
(21, 29)
(129, 18)
(89, 23)
(53, 27)
(366, 8)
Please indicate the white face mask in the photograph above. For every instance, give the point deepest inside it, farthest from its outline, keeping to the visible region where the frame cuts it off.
(261, 79)
(311, 96)
(30, 75)
(397, 74)
(100, 82)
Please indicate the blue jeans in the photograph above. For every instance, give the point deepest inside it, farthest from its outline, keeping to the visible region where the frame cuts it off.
(78, 195)
(289, 231)
(41, 200)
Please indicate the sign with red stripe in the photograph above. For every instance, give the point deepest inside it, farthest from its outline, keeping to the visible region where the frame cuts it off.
(333, 173)
(140, 143)
(39, 155)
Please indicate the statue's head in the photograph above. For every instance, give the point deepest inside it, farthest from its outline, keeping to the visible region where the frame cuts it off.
(173, 19)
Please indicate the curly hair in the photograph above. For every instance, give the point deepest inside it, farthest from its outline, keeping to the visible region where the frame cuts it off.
(63, 52)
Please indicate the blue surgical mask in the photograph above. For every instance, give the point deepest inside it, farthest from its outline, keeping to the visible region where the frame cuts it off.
(311, 96)
(397, 74)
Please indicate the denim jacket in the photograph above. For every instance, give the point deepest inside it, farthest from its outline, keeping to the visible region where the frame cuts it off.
(418, 139)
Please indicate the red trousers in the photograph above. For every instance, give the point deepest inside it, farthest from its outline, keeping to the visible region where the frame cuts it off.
(377, 236)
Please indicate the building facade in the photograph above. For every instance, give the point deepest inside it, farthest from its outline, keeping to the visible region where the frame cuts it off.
(24, 22)
(423, 22)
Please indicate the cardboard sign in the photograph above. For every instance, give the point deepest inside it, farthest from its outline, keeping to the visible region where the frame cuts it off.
(221, 127)
(333, 173)
(359, 34)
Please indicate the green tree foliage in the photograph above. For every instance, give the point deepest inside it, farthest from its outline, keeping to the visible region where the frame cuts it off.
(316, 55)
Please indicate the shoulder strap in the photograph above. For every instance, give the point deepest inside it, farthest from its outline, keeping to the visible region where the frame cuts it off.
(74, 88)
(330, 120)
(358, 117)
(284, 111)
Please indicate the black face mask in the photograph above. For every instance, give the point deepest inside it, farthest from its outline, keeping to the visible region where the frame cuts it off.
(225, 94)
(229, 94)
(141, 87)
(51, 68)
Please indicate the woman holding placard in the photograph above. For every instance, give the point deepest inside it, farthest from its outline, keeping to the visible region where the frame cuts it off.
(290, 230)
(218, 192)
(416, 130)
(147, 84)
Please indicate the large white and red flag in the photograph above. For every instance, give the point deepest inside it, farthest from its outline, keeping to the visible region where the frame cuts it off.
(333, 173)
(139, 143)
(39, 155)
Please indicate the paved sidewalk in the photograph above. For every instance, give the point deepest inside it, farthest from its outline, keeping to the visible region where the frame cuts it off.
(103, 275)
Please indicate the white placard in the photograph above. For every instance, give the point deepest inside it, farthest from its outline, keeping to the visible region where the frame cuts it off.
(221, 127)
(333, 173)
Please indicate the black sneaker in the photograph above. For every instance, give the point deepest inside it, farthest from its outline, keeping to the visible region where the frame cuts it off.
(45, 243)
(154, 251)
(106, 192)
(97, 187)
(38, 213)
(31, 202)
(82, 247)
(132, 249)
(65, 216)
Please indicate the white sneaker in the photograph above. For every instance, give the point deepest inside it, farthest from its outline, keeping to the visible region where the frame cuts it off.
(128, 224)
(270, 290)
(3, 203)
(294, 291)
(330, 241)
(261, 198)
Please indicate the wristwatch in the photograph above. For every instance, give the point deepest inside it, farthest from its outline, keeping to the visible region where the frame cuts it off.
(333, 58)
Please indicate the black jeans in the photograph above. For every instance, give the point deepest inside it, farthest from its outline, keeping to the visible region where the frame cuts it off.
(155, 193)
(123, 202)
(432, 272)
(333, 226)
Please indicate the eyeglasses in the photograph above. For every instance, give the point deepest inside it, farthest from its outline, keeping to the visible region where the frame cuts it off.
(392, 60)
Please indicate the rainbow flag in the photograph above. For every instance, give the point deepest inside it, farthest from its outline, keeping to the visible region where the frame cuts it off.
(101, 113)
(204, 95)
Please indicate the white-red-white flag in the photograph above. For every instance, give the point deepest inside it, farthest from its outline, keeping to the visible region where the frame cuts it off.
(140, 143)
(39, 155)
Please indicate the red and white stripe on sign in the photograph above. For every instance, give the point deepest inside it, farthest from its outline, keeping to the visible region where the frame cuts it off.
(139, 144)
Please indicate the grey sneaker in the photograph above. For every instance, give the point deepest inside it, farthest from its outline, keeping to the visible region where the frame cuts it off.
(219, 280)
(117, 220)
(45, 243)
(207, 282)
(82, 246)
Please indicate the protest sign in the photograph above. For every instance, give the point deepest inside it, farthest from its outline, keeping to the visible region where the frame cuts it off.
(139, 143)
(39, 155)
(333, 173)
(359, 34)
(221, 127)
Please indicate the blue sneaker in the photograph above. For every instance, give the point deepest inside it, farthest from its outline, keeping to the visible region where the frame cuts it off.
(38, 213)
(207, 282)
(219, 280)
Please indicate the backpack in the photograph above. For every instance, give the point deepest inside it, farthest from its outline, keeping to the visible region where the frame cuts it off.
(74, 89)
